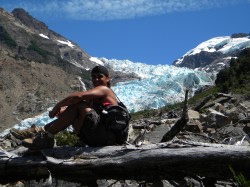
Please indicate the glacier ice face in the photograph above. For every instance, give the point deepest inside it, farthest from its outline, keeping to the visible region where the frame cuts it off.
(158, 85)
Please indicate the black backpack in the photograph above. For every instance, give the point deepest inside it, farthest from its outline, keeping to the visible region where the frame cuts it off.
(116, 119)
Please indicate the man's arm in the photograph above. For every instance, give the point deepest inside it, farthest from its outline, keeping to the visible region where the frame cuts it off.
(97, 92)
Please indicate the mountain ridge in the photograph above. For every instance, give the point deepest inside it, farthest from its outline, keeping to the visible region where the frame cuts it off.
(215, 53)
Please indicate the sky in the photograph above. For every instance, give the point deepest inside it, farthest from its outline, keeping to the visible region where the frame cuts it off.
(146, 31)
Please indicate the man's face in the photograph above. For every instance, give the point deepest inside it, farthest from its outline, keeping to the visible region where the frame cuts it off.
(99, 79)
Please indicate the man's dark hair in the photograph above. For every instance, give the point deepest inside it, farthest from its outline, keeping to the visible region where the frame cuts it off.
(100, 69)
(103, 70)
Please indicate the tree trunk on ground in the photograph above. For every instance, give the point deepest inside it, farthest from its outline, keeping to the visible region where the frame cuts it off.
(170, 161)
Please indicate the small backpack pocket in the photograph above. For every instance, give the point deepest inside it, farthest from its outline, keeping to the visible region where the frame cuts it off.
(116, 118)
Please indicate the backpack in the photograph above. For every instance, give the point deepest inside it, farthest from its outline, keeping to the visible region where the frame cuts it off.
(116, 119)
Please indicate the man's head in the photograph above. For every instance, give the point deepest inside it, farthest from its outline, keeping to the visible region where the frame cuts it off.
(100, 76)
(100, 69)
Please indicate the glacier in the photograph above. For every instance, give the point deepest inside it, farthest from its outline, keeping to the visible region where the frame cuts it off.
(157, 85)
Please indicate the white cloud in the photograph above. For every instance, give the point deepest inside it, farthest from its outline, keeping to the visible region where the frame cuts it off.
(113, 9)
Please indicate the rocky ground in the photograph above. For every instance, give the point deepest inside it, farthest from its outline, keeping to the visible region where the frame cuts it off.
(219, 118)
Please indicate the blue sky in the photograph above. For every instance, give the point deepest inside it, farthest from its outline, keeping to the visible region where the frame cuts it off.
(147, 31)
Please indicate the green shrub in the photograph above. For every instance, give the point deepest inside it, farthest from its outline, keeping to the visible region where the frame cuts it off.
(35, 47)
(236, 78)
(66, 138)
(5, 38)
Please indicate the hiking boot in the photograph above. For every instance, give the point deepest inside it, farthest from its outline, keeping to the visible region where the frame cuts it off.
(42, 140)
(27, 133)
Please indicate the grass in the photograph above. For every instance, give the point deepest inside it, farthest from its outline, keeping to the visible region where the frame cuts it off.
(240, 179)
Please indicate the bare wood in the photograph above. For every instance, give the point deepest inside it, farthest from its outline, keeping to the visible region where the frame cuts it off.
(179, 125)
(173, 160)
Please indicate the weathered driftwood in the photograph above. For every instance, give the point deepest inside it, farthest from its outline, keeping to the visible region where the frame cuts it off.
(180, 124)
(172, 160)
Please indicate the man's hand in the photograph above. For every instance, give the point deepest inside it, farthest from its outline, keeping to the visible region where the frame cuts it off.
(55, 112)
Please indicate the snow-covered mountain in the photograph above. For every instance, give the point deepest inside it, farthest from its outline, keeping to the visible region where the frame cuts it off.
(215, 53)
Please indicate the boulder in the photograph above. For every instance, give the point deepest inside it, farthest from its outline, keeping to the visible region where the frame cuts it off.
(215, 119)
(192, 114)
(194, 126)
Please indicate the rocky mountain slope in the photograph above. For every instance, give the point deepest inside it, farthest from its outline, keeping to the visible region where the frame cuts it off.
(28, 65)
(37, 67)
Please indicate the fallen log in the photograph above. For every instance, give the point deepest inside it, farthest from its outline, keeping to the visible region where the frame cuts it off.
(171, 161)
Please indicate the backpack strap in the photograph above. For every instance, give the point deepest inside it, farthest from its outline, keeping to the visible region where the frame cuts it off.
(116, 96)
(121, 104)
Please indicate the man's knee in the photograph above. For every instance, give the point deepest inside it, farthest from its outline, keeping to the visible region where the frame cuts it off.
(77, 106)
(83, 108)
(82, 104)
